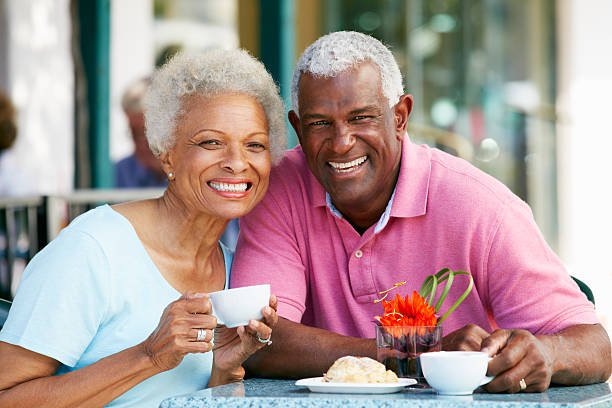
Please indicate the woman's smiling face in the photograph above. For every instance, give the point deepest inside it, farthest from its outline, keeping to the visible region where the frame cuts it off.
(221, 156)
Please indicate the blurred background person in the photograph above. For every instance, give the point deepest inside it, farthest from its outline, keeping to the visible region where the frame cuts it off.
(141, 168)
(8, 130)
(8, 125)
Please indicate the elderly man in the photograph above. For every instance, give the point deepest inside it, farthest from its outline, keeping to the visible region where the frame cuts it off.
(358, 207)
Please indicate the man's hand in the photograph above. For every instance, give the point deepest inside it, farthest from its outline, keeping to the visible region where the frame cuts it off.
(518, 355)
(468, 338)
(577, 355)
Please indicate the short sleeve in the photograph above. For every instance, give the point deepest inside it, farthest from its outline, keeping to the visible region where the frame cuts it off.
(528, 286)
(268, 252)
(61, 300)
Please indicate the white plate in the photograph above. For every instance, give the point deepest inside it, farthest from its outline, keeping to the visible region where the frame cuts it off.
(318, 385)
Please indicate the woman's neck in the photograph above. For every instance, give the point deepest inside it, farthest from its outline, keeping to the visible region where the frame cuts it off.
(184, 245)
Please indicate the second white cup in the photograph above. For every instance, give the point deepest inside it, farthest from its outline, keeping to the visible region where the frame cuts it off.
(455, 372)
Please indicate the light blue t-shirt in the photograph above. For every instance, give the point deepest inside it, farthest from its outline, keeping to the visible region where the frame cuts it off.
(94, 291)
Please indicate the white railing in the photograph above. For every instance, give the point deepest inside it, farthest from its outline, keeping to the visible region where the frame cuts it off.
(28, 223)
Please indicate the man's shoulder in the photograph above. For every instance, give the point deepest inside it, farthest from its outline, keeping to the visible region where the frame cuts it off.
(293, 160)
(460, 177)
(292, 185)
(291, 172)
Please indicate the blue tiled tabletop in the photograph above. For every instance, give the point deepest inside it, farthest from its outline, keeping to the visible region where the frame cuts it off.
(258, 392)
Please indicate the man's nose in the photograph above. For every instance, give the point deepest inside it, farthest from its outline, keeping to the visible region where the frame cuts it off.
(343, 138)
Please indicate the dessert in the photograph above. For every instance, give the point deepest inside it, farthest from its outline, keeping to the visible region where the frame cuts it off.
(350, 369)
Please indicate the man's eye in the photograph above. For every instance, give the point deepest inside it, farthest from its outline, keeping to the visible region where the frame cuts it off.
(361, 118)
(319, 123)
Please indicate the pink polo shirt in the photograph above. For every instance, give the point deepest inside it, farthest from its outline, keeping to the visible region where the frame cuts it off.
(444, 213)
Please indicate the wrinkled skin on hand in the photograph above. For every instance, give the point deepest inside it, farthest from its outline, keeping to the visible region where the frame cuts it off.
(467, 338)
(176, 333)
(234, 346)
(517, 354)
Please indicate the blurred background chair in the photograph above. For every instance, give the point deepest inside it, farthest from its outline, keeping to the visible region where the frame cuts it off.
(5, 305)
(585, 289)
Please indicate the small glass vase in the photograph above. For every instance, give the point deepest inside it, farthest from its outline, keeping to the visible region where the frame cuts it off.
(399, 347)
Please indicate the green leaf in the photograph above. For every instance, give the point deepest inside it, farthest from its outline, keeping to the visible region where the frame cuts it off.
(461, 298)
(447, 287)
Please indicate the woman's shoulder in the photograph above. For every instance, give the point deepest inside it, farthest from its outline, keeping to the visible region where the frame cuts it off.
(100, 230)
(99, 223)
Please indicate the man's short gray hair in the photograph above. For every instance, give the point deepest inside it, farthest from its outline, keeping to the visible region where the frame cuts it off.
(342, 50)
(210, 73)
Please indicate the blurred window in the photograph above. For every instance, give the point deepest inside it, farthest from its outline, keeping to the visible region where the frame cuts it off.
(483, 76)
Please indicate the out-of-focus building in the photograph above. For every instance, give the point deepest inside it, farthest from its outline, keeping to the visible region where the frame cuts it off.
(519, 88)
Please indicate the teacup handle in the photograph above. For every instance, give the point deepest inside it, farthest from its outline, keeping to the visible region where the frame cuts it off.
(487, 379)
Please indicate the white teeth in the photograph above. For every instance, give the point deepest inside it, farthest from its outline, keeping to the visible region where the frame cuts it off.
(345, 166)
(233, 187)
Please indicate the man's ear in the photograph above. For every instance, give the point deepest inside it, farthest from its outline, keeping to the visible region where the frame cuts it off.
(402, 111)
(294, 119)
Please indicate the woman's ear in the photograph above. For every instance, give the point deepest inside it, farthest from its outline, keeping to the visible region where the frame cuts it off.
(166, 162)
(402, 111)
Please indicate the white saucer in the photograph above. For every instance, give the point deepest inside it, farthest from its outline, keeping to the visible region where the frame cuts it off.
(317, 384)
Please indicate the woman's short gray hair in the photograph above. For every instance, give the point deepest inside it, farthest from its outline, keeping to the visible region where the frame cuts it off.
(336, 52)
(210, 73)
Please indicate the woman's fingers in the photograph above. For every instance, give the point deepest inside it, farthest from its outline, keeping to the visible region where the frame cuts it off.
(260, 332)
(200, 335)
(196, 303)
(186, 326)
(269, 312)
(274, 302)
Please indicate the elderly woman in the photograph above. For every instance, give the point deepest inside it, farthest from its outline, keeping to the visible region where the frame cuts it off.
(115, 310)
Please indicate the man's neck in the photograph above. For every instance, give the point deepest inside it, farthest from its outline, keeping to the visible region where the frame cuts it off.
(363, 218)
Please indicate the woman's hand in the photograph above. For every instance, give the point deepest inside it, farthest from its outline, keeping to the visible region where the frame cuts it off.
(177, 331)
(234, 346)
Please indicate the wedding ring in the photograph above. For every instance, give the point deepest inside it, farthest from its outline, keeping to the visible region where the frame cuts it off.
(522, 384)
(267, 341)
(201, 335)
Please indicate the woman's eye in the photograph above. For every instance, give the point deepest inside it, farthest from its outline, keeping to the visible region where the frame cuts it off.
(256, 147)
(212, 143)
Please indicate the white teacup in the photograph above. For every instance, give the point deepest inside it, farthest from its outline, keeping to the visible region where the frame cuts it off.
(235, 307)
(455, 372)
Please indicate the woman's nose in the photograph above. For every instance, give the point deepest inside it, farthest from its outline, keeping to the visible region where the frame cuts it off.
(234, 160)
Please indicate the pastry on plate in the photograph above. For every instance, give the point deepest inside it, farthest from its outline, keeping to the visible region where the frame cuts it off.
(350, 369)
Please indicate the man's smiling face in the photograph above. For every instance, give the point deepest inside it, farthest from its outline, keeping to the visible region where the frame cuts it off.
(351, 139)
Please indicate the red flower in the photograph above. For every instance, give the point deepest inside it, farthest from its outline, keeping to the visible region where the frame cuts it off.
(408, 312)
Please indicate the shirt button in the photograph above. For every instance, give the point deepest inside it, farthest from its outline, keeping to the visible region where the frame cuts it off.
(358, 253)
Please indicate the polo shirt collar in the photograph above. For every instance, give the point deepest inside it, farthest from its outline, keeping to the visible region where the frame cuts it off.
(412, 185)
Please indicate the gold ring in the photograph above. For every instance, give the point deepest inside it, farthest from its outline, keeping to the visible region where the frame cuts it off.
(522, 384)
